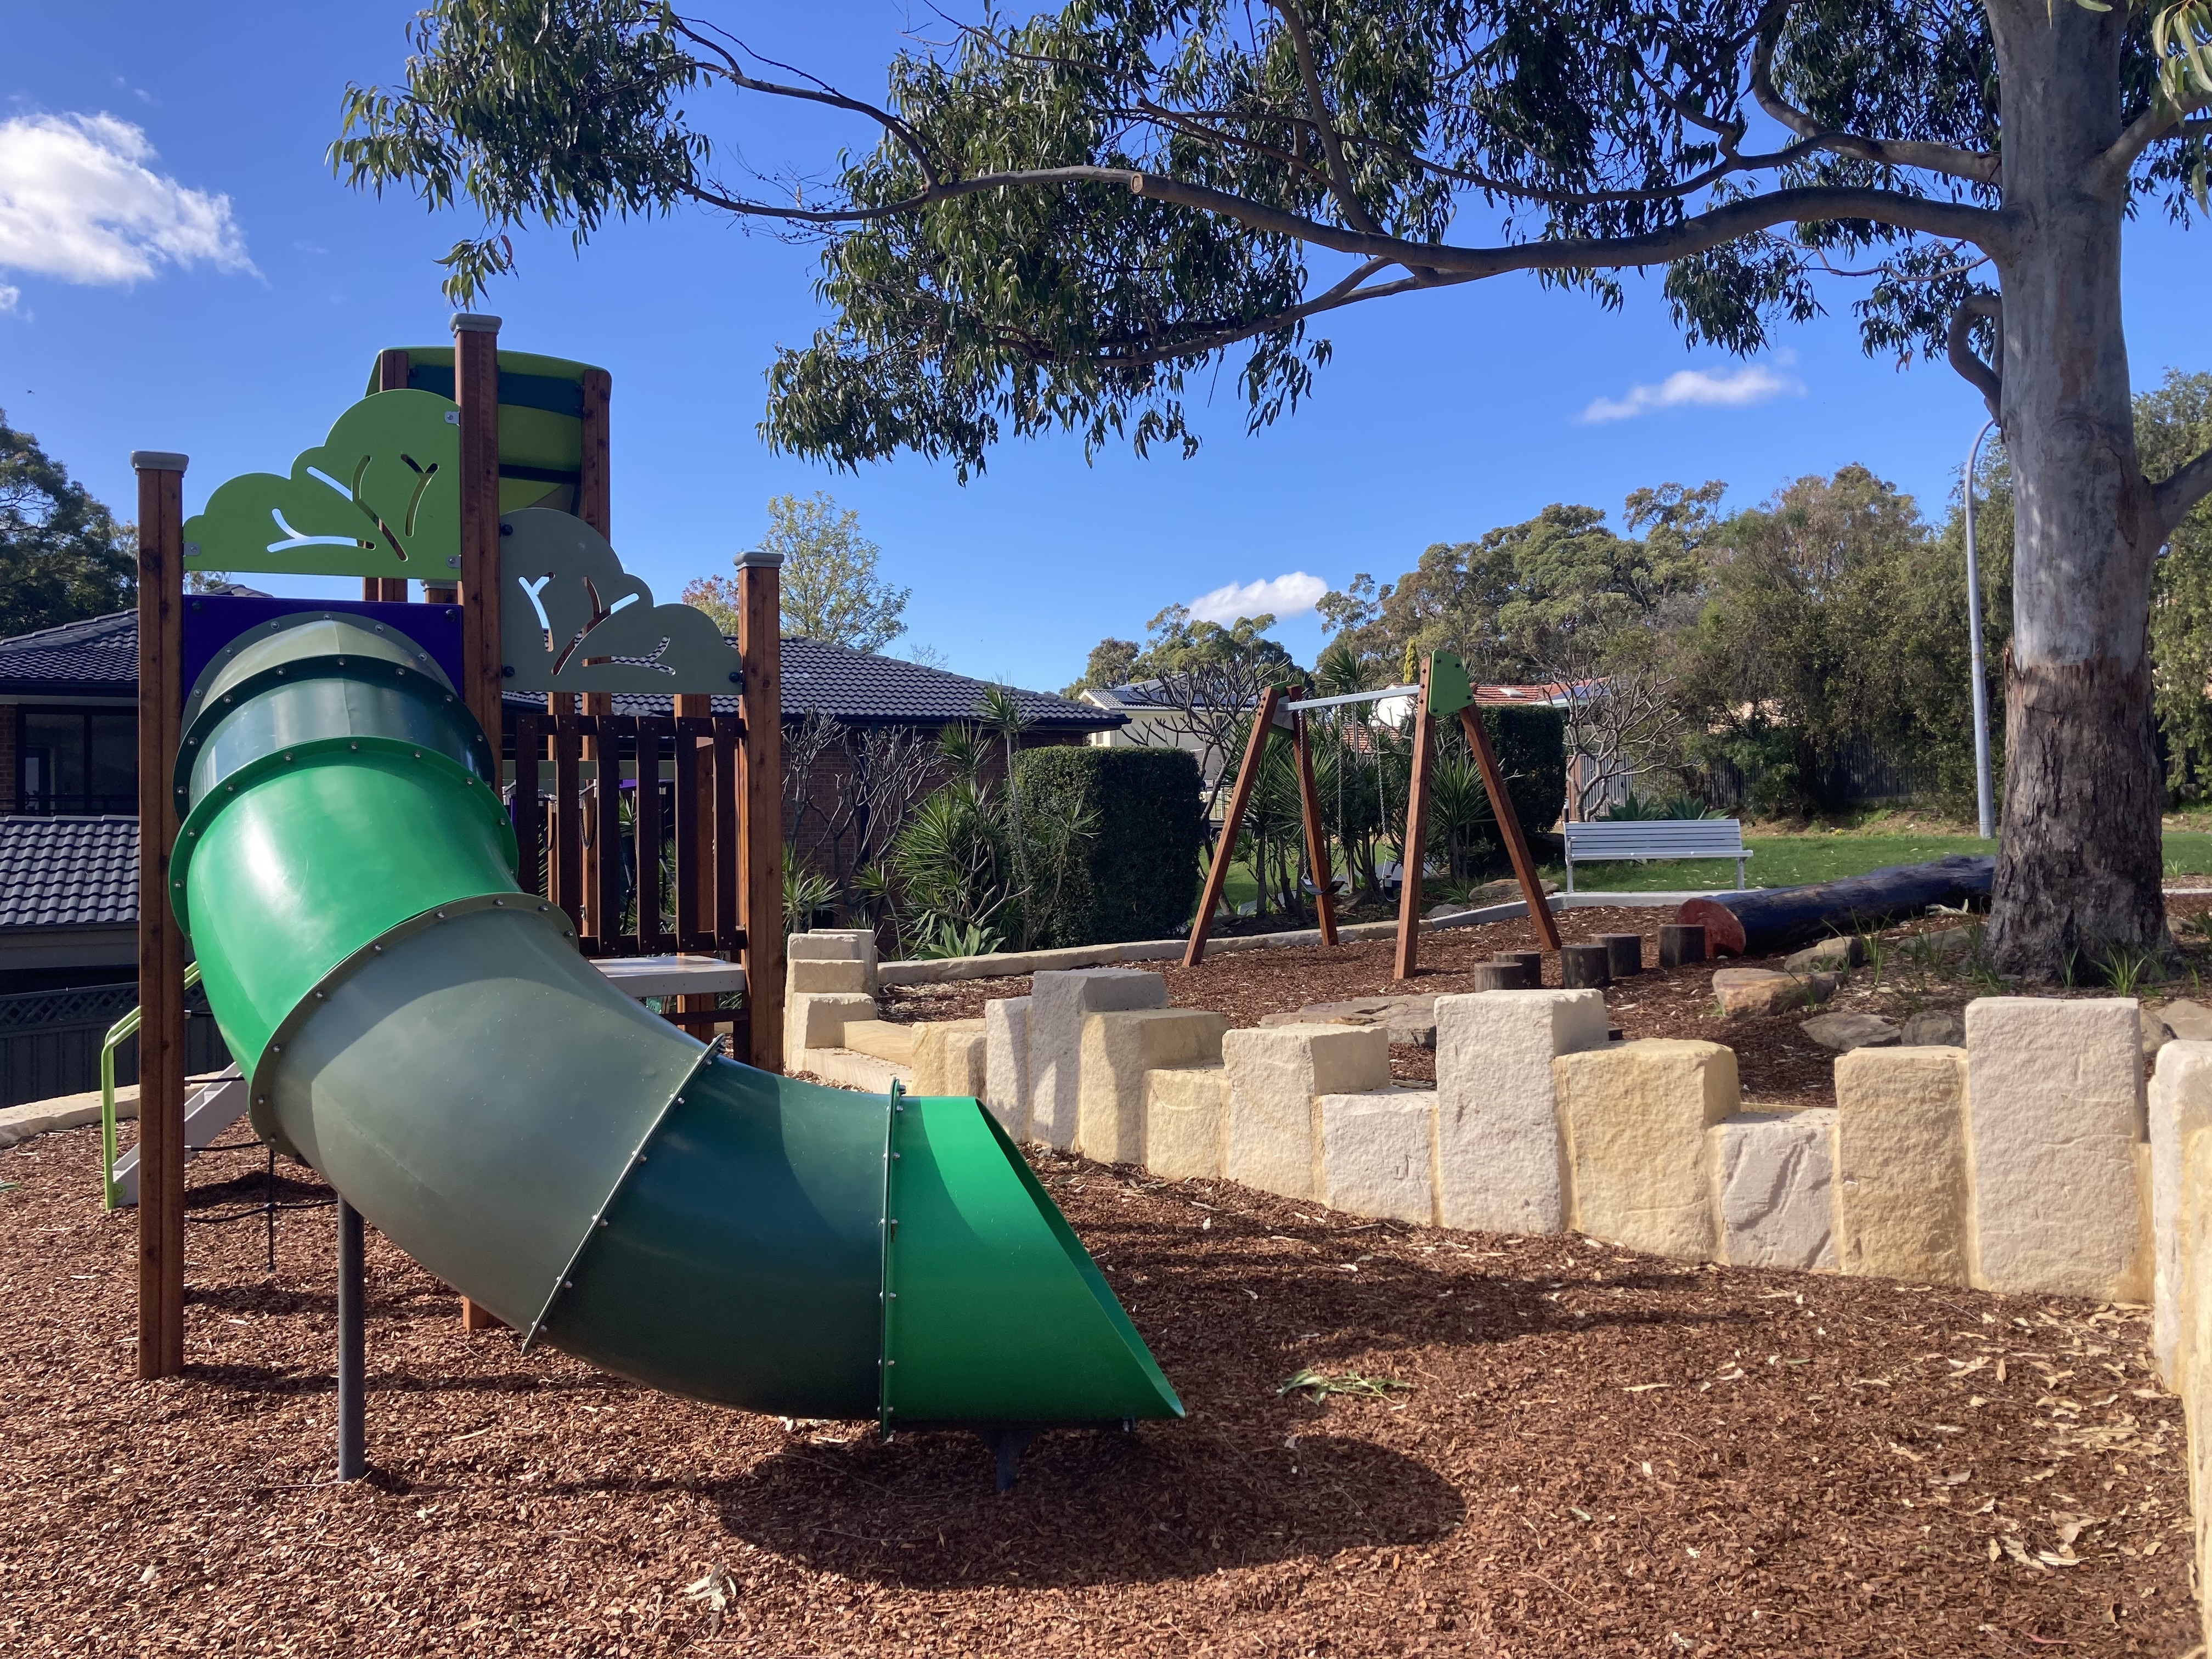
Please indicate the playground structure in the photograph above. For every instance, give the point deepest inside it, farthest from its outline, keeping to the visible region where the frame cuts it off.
(1443, 691)
(402, 964)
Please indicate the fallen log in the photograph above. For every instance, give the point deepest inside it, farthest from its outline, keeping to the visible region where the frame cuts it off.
(1767, 920)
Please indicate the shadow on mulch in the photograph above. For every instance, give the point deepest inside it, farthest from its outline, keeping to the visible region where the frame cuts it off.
(1170, 1502)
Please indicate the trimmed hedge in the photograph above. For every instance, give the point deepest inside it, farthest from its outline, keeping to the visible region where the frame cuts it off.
(1138, 876)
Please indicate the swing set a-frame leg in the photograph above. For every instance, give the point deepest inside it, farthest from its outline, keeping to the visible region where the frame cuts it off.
(1316, 839)
(1413, 854)
(1508, 825)
(1217, 874)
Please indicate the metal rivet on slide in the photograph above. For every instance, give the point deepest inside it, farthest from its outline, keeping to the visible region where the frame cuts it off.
(275, 1048)
(499, 904)
(441, 914)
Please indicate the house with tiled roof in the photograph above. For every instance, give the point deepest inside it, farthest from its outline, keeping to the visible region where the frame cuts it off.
(68, 724)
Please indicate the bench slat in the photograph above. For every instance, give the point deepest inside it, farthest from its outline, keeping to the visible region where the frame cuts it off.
(1657, 838)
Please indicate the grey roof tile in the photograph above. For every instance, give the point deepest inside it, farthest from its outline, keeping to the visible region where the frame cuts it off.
(69, 871)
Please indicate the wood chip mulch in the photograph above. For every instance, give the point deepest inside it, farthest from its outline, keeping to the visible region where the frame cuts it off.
(1564, 1448)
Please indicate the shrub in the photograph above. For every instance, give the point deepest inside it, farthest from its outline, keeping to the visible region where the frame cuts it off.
(1532, 751)
(1136, 876)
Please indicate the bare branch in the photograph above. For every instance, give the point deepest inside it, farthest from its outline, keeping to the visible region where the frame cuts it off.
(1960, 346)
(2188, 485)
(1977, 166)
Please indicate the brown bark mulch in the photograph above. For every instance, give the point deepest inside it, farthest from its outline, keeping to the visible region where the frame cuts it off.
(1574, 1450)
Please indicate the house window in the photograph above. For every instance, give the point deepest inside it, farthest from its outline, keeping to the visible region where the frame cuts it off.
(77, 761)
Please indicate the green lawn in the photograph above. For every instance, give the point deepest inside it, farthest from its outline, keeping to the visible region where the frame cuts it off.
(1790, 860)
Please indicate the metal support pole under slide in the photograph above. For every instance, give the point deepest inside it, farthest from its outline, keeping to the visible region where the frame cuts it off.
(353, 1441)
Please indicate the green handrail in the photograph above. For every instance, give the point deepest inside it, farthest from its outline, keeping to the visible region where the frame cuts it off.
(118, 1034)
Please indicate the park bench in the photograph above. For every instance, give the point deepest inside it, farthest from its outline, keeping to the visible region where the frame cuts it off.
(1656, 838)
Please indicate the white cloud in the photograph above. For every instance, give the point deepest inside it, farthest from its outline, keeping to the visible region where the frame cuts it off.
(1280, 596)
(80, 201)
(1698, 388)
(9, 298)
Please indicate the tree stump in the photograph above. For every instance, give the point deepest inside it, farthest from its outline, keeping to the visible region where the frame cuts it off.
(1585, 967)
(1624, 953)
(1530, 964)
(1681, 943)
(1497, 976)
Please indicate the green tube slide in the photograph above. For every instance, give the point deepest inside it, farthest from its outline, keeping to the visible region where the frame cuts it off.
(424, 1033)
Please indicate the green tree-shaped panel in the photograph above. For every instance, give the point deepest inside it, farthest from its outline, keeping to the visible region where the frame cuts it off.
(380, 497)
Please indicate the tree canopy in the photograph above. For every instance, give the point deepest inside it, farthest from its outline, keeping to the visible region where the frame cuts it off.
(1063, 219)
(63, 557)
(829, 588)
(1178, 644)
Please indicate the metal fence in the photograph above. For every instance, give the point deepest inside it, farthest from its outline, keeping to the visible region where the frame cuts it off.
(50, 1041)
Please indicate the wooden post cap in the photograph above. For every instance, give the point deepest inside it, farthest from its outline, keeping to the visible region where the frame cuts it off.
(157, 460)
(471, 322)
(758, 558)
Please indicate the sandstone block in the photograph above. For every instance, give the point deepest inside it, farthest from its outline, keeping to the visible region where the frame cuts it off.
(834, 944)
(889, 1040)
(949, 1058)
(1499, 1150)
(1901, 1203)
(2190, 1021)
(804, 974)
(1408, 1018)
(1187, 1122)
(2192, 1364)
(849, 1068)
(2055, 1109)
(1376, 1154)
(1058, 1001)
(818, 1019)
(1934, 1031)
(1006, 1064)
(1764, 991)
(1845, 1032)
(2180, 1105)
(1636, 1117)
(1840, 953)
(1276, 1073)
(1118, 1049)
(1774, 1187)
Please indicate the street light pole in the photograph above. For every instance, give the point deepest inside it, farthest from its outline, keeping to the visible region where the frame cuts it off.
(1984, 809)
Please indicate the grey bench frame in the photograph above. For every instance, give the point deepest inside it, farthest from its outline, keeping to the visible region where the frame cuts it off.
(1608, 840)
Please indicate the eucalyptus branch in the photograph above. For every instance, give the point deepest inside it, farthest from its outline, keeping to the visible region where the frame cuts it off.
(2188, 485)
(1340, 176)
(2109, 172)
(1977, 166)
(1958, 346)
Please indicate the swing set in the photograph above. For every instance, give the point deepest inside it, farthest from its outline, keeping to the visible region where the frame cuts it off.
(1442, 692)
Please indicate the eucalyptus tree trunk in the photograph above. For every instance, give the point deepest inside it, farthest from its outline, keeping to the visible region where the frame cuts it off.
(2079, 873)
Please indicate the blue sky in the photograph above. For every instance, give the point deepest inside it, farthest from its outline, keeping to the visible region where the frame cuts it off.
(236, 330)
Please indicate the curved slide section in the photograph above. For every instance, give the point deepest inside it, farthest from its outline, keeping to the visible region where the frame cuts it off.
(424, 1034)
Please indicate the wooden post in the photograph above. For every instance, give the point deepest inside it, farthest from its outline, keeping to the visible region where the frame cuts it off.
(476, 388)
(760, 802)
(1316, 839)
(594, 482)
(1508, 825)
(1224, 849)
(1413, 854)
(695, 836)
(160, 941)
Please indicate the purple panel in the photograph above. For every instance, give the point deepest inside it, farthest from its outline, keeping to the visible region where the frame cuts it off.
(212, 621)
